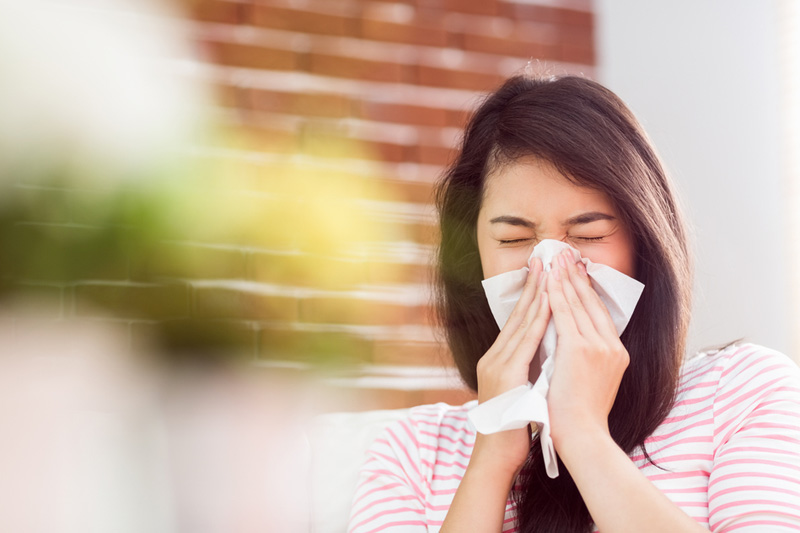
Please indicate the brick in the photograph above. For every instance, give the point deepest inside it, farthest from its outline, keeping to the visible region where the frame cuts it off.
(326, 310)
(418, 32)
(531, 12)
(433, 155)
(250, 56)
(507, 46)
(234, 304)
(217, 11)
(195, 340)
(424, 233)
(456, 79)
(386, 273)
(576, 54)
(63, 253)
(403, 114)
(258, 139)
(458, 118)
(323, 348)
(306, 270)
(351, 67)
(304, 104)
(298, 20)
(133, 301)
(575, 36)
(482, 7)
(410, 353)
(401, 191)
(188, 262)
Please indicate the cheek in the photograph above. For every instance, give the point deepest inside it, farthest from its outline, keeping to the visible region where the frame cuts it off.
(501, 260)
(620, 259)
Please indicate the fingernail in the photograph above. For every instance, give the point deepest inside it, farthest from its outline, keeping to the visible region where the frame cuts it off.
(582, 268)
(561, 261)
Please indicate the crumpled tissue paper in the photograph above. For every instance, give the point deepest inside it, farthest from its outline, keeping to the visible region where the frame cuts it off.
(522, 405)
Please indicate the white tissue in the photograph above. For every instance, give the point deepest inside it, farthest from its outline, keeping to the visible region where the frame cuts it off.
(518, 407)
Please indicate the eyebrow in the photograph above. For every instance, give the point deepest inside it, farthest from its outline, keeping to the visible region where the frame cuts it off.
(583, 218)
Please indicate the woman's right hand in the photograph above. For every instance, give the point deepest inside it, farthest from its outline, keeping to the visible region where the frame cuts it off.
(506, 365)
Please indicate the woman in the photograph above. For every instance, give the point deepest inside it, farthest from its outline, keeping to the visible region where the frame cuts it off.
(646, 441)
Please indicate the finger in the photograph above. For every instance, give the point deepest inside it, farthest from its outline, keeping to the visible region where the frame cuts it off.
(560, 308)
(529, 292)
(581, 318)
(530, 319)
(529, 342)
(592, 303)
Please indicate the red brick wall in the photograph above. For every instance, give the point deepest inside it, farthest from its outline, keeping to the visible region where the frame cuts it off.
(397, 80)
(334, 119)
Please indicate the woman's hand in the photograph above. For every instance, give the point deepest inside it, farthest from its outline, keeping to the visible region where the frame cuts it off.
(506, 365)
(589, 361)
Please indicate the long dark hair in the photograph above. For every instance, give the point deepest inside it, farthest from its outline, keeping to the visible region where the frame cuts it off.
(594, 140)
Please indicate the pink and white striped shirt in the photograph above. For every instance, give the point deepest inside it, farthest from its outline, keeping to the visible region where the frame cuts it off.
(729, 452)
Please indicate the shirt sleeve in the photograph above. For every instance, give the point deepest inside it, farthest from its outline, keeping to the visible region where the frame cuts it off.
(754, 486)
(390, 494)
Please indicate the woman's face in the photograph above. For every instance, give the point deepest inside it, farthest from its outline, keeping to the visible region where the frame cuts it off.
(529, 200)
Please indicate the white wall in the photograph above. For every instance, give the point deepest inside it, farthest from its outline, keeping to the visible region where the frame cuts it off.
(704, 78)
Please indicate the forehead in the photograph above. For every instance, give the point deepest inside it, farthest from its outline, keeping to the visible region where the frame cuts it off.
(535, 188)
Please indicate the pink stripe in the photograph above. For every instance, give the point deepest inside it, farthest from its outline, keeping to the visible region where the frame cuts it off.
(416, 488)
(709, 365)
(743, 359)
(677, 475)
(738, 400)
(756, 488)
(792, 526)
(752, 461)
(687, 440)
(700, 423)
(390, 511)
(743, 433)
(439, 450)
(685, 491)
(393, 524)
(439, 477)
(773, 425)
(445, 437)
(388, 458)
(443, 464)
(736, 403)
(446, 426)
(738, 449)
(454, 414)
(683, 457)
(392, 498)
(692, 414)
(691, 504)
(692, 401)
(694, 386)
(772, 503)
(374, 490)
(757, 475)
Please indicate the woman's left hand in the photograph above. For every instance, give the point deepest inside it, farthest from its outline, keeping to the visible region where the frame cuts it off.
(590, 359)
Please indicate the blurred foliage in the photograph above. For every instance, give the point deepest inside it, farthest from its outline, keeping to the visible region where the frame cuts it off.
(196, 223)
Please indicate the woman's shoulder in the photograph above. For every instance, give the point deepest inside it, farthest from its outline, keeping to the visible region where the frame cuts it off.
(434, 427)
(739, 369)
(737, 358)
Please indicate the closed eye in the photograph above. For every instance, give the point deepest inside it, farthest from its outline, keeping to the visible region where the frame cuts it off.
(589, 238)
(513, 241)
